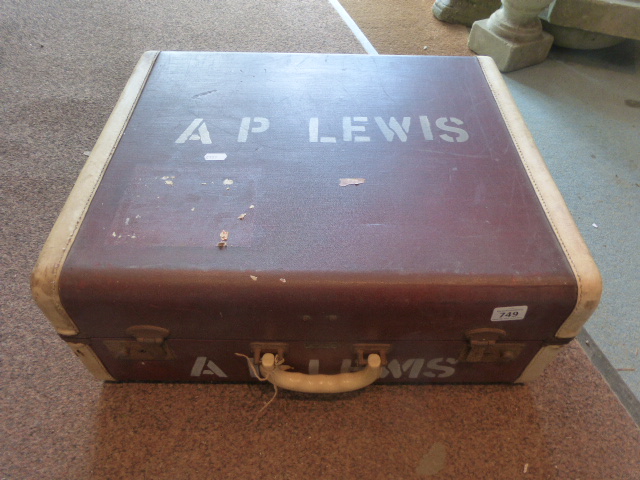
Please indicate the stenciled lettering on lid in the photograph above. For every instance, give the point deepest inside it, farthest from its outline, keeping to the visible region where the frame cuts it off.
(355, 129)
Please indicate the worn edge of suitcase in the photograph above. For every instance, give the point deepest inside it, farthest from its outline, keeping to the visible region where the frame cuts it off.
(91, 361)
(569, 237)
(46, 273)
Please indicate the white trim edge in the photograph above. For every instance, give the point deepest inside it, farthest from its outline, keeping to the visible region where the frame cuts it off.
(91, 361)
(353, 26)
(46, 274)
(539, 362)
(576, 251)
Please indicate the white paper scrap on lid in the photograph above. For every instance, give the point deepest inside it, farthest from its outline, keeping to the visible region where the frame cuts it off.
(351, 181)
(215, 156)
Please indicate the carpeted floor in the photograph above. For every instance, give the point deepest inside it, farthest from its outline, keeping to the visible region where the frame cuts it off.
(407, 27)
(62, 67)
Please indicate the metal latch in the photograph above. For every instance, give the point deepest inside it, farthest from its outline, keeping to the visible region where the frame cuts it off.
(149, 344)
(484, 346)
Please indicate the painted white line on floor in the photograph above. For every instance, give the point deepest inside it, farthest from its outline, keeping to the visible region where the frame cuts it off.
(366, 44)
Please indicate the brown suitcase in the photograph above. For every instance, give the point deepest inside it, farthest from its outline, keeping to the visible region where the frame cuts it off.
(327, 212)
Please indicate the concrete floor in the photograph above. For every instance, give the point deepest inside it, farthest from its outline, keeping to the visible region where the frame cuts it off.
(583, 109)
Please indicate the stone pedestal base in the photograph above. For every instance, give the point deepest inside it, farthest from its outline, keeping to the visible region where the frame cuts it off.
(508, 54)
(580, 39)
(619, 18)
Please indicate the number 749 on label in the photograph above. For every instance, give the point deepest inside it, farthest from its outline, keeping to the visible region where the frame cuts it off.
(503, 314)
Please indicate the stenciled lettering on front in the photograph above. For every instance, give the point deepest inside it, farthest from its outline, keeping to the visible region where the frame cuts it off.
(204, 366)
(411, 368)
(351, 129)
(417, 367)
(406, 369)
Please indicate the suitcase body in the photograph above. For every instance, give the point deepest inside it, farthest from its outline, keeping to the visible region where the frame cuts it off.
(318, 207)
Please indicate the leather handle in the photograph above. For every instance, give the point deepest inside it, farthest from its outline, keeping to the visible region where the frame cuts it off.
(300, 382)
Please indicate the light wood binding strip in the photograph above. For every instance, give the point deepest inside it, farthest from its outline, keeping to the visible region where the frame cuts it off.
(46, 274)
(91, 361)
(566, 231)
(537, 365)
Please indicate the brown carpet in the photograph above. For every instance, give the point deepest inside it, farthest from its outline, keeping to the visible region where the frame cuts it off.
(406, 27)
(62, 66)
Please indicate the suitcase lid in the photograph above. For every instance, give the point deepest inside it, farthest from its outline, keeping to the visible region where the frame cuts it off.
(307, 196)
